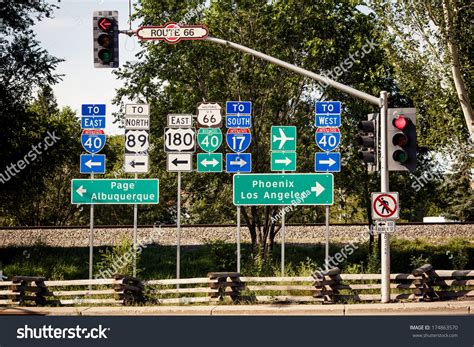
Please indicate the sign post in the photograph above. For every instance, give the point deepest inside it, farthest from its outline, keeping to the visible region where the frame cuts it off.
(238, 138)
(137, 142)
(180, 144)
(283, 158)
(328, 138)
(93, 140)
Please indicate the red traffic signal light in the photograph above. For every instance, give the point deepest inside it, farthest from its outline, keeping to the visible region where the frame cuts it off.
(105, 34)
(105, 24)
(401, 133)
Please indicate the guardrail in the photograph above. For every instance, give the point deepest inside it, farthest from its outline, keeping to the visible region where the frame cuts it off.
(422, 284)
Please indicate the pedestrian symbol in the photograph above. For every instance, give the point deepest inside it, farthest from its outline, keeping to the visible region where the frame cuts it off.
(384, 206)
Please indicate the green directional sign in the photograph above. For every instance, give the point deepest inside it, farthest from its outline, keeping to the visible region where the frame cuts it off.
(283, 189)
(209, 139)
(209, 162)
(283, 138)
(283, 161)
(114, 191)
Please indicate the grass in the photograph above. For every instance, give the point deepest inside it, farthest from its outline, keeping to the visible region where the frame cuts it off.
(196, 261)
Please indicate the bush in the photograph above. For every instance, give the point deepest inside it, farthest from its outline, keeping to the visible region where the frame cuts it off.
(117, 260)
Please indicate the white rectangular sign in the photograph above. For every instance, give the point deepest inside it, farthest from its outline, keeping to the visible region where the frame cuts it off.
(136, 164)
(180, 120)
(137, 123)
(179, 162)
(137, 110)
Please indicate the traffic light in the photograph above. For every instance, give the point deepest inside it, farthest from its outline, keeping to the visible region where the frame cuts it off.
(105, 35)
(401, 139)
(368, 141)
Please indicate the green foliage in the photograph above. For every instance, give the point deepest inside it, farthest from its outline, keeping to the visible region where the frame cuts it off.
(458, 253)
(418, 260)
(222, 255)
(118, 259)
(373, 261)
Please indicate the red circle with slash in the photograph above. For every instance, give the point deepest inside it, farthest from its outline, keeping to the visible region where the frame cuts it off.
(380, 203)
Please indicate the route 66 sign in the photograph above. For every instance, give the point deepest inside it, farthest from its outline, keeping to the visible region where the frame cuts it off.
(209, 115)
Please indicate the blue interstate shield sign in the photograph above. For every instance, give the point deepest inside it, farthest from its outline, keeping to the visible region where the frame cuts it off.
(93, 140)
(238, 139)
(328, 139)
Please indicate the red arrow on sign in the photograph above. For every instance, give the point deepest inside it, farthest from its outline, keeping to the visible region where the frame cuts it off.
(105, 24)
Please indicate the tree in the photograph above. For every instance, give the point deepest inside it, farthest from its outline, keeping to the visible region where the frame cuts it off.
(35, 182)
(318, 36)
(426, 43)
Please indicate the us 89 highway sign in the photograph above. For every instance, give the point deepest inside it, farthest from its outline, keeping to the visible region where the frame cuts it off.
(136, 141)
(180, 140)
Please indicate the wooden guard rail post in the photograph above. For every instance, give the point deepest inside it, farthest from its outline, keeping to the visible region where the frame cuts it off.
(130, 289)
(326, 284)
(423, 283)
(226, 280)
(29, 288)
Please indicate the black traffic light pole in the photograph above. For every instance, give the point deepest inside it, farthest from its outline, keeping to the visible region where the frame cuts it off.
(381, 102)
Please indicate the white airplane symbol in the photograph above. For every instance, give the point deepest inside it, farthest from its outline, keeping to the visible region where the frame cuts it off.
(283, 138)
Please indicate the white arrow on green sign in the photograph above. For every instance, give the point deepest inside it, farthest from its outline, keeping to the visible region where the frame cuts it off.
(114, 191)
(283, 161)
(209, 139)
(209, 162)
(283, 189)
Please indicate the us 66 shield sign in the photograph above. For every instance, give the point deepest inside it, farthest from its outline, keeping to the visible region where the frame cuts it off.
(180, 140)
(209, 115)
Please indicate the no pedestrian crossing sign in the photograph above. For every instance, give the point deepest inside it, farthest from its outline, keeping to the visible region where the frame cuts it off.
(385, 206)
(114, 191)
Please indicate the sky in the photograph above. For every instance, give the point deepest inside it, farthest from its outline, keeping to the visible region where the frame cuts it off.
(68, 35)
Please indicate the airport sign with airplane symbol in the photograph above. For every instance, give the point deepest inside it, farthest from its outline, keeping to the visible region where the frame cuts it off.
(283, 138)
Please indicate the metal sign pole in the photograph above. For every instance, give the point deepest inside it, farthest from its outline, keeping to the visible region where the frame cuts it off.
(384, 187)
(326, 258)
(178, 229)
(91, 240)
(238, 239)
(283, 240)
(135, 222)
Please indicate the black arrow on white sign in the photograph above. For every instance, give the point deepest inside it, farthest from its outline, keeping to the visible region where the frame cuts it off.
(134, 163)
(176, 162)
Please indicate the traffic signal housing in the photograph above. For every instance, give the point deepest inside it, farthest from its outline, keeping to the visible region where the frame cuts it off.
(401, 139)
(368, 141)
(105, 36)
